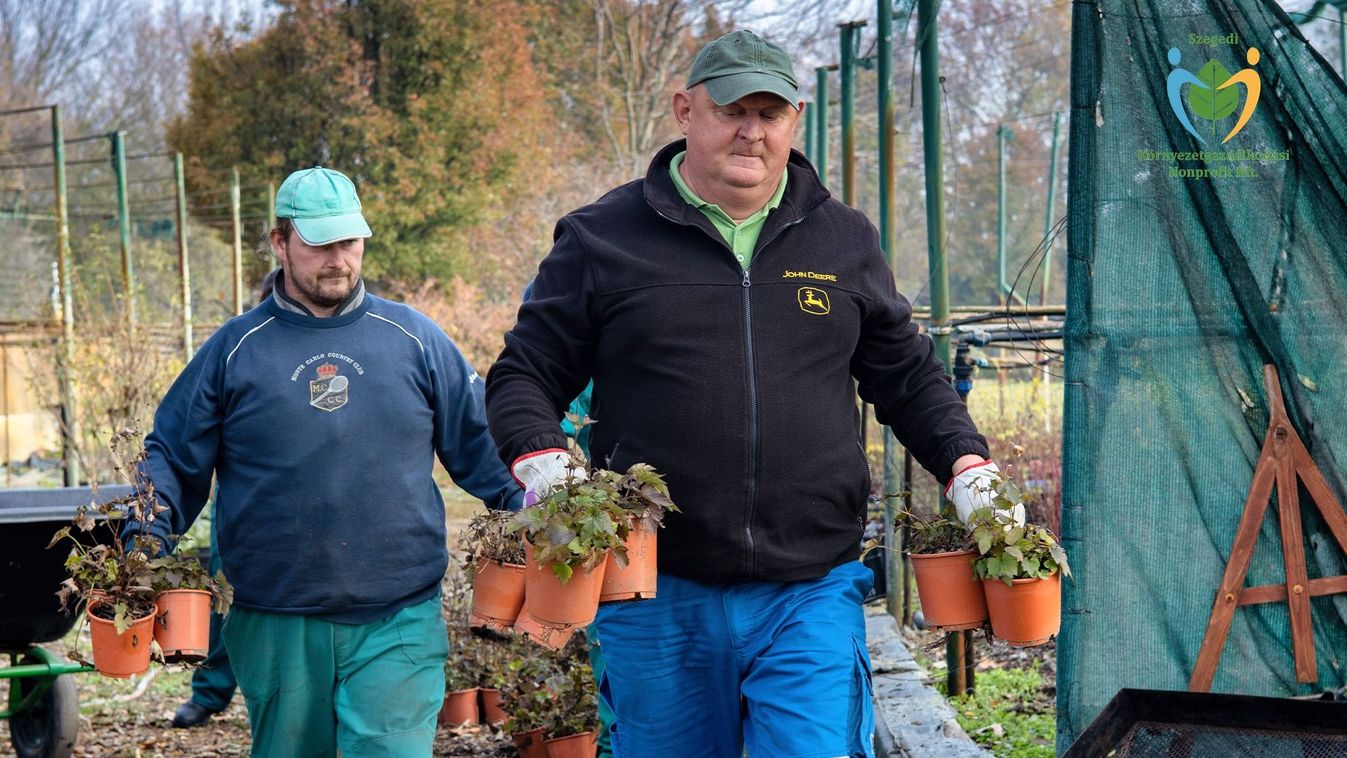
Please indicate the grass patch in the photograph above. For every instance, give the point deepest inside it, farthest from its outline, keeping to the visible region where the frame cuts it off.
(1008, 713)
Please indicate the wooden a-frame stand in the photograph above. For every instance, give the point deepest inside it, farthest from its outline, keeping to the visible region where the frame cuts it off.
(1283, 460)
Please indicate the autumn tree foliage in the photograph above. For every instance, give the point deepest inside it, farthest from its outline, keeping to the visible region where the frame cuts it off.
(431, 106)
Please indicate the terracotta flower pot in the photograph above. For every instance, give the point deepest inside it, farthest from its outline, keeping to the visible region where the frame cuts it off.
(491, 710)
(574, 603)
(551, 636)
(121, 655)
(583, 745)
(530, 744)
(1028, 613)
(951, 595)
(460, 708)
(497, 595)
(182, 625)
(635, 581)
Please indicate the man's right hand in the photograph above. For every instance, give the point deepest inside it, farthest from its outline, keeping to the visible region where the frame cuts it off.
(540, 472)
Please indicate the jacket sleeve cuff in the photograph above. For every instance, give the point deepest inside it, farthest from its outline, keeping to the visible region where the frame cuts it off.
(953, 451)
(530, 444)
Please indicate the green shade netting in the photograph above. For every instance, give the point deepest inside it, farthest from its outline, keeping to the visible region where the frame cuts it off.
(1181, 286)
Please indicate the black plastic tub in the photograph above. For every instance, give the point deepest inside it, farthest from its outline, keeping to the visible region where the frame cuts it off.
(30, 574)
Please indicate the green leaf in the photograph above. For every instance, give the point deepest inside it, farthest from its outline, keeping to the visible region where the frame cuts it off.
(1211, 104)
(1015, 552)
(984, 539)
(562, 571)
(1014, 535)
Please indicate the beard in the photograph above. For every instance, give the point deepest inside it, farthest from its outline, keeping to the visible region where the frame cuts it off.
(324, 290)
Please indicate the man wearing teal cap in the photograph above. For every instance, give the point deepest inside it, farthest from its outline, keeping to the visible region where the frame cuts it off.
(320, 413)
(728, 309)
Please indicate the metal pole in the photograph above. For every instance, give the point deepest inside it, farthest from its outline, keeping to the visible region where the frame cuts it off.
(809, 132)
(902, 542)
(935, 182)
(850, 32)
(118, 140)
(4, 380)
(237, 226)
(1002, 135)
(70, 432)
(893, 599)
(955, 647)
(821, 130)
(271, 206)
(184, 269)
(1052, 198)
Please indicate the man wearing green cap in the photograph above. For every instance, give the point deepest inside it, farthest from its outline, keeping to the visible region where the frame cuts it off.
(320, 413)
(728, 309)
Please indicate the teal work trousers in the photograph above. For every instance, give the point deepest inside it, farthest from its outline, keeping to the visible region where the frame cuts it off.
(316, 687)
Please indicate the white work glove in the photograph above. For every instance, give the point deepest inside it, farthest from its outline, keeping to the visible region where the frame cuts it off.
(975, 488)
(540, 472)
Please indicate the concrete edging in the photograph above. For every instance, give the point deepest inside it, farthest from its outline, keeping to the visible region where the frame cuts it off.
(911, 717)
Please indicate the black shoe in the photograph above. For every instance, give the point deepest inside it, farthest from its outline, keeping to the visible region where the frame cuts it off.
(190, 714)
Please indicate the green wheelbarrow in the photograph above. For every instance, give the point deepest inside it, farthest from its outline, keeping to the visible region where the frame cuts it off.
(43, 708)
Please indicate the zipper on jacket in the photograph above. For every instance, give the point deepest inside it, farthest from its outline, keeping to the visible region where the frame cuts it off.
(746, 284)
(869, 475)
(753, 430)
(752, 420)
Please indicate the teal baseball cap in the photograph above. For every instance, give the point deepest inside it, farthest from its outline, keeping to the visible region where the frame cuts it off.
(323, 206)
(742, 63)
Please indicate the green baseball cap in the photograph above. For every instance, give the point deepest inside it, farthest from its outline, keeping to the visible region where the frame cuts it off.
(742, 63)
(323, 206)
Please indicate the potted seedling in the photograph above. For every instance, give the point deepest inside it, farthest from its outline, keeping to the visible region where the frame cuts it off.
(572, 726)
(186, 595)
(942, 554)
(569, 534)
(491, 676)
(1021, 568)
(494, 557)
(630, 573)
(526, 700)
(111, 578)
(460, 681)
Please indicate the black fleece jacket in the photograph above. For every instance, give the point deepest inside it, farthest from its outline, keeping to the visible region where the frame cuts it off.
(739, 385)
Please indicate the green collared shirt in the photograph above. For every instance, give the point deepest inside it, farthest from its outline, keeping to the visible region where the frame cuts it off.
(743, 236)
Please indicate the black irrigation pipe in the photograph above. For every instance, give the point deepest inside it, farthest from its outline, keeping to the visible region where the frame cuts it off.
(29, 109)
(85, 162)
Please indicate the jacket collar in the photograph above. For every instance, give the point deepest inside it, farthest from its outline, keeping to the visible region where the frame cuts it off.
(804, 192)
(287, 303)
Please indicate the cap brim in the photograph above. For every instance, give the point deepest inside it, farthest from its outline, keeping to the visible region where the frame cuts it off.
(727, 89)
(329, 229)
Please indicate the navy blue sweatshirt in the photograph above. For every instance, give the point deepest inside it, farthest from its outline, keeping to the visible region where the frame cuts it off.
(322, 433)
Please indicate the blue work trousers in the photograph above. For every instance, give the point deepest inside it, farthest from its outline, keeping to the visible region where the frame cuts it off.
(709, 670)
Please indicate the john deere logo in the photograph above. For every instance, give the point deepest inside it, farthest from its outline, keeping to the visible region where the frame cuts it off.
(330, 390)
(813, 300)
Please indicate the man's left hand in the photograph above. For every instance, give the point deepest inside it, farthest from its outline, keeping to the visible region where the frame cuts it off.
(975, 486)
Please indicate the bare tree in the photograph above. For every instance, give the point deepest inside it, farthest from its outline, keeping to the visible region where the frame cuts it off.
(46, 44)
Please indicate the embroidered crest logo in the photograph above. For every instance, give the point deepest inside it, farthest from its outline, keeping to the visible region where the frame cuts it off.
(814, 301)
(330, 390)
